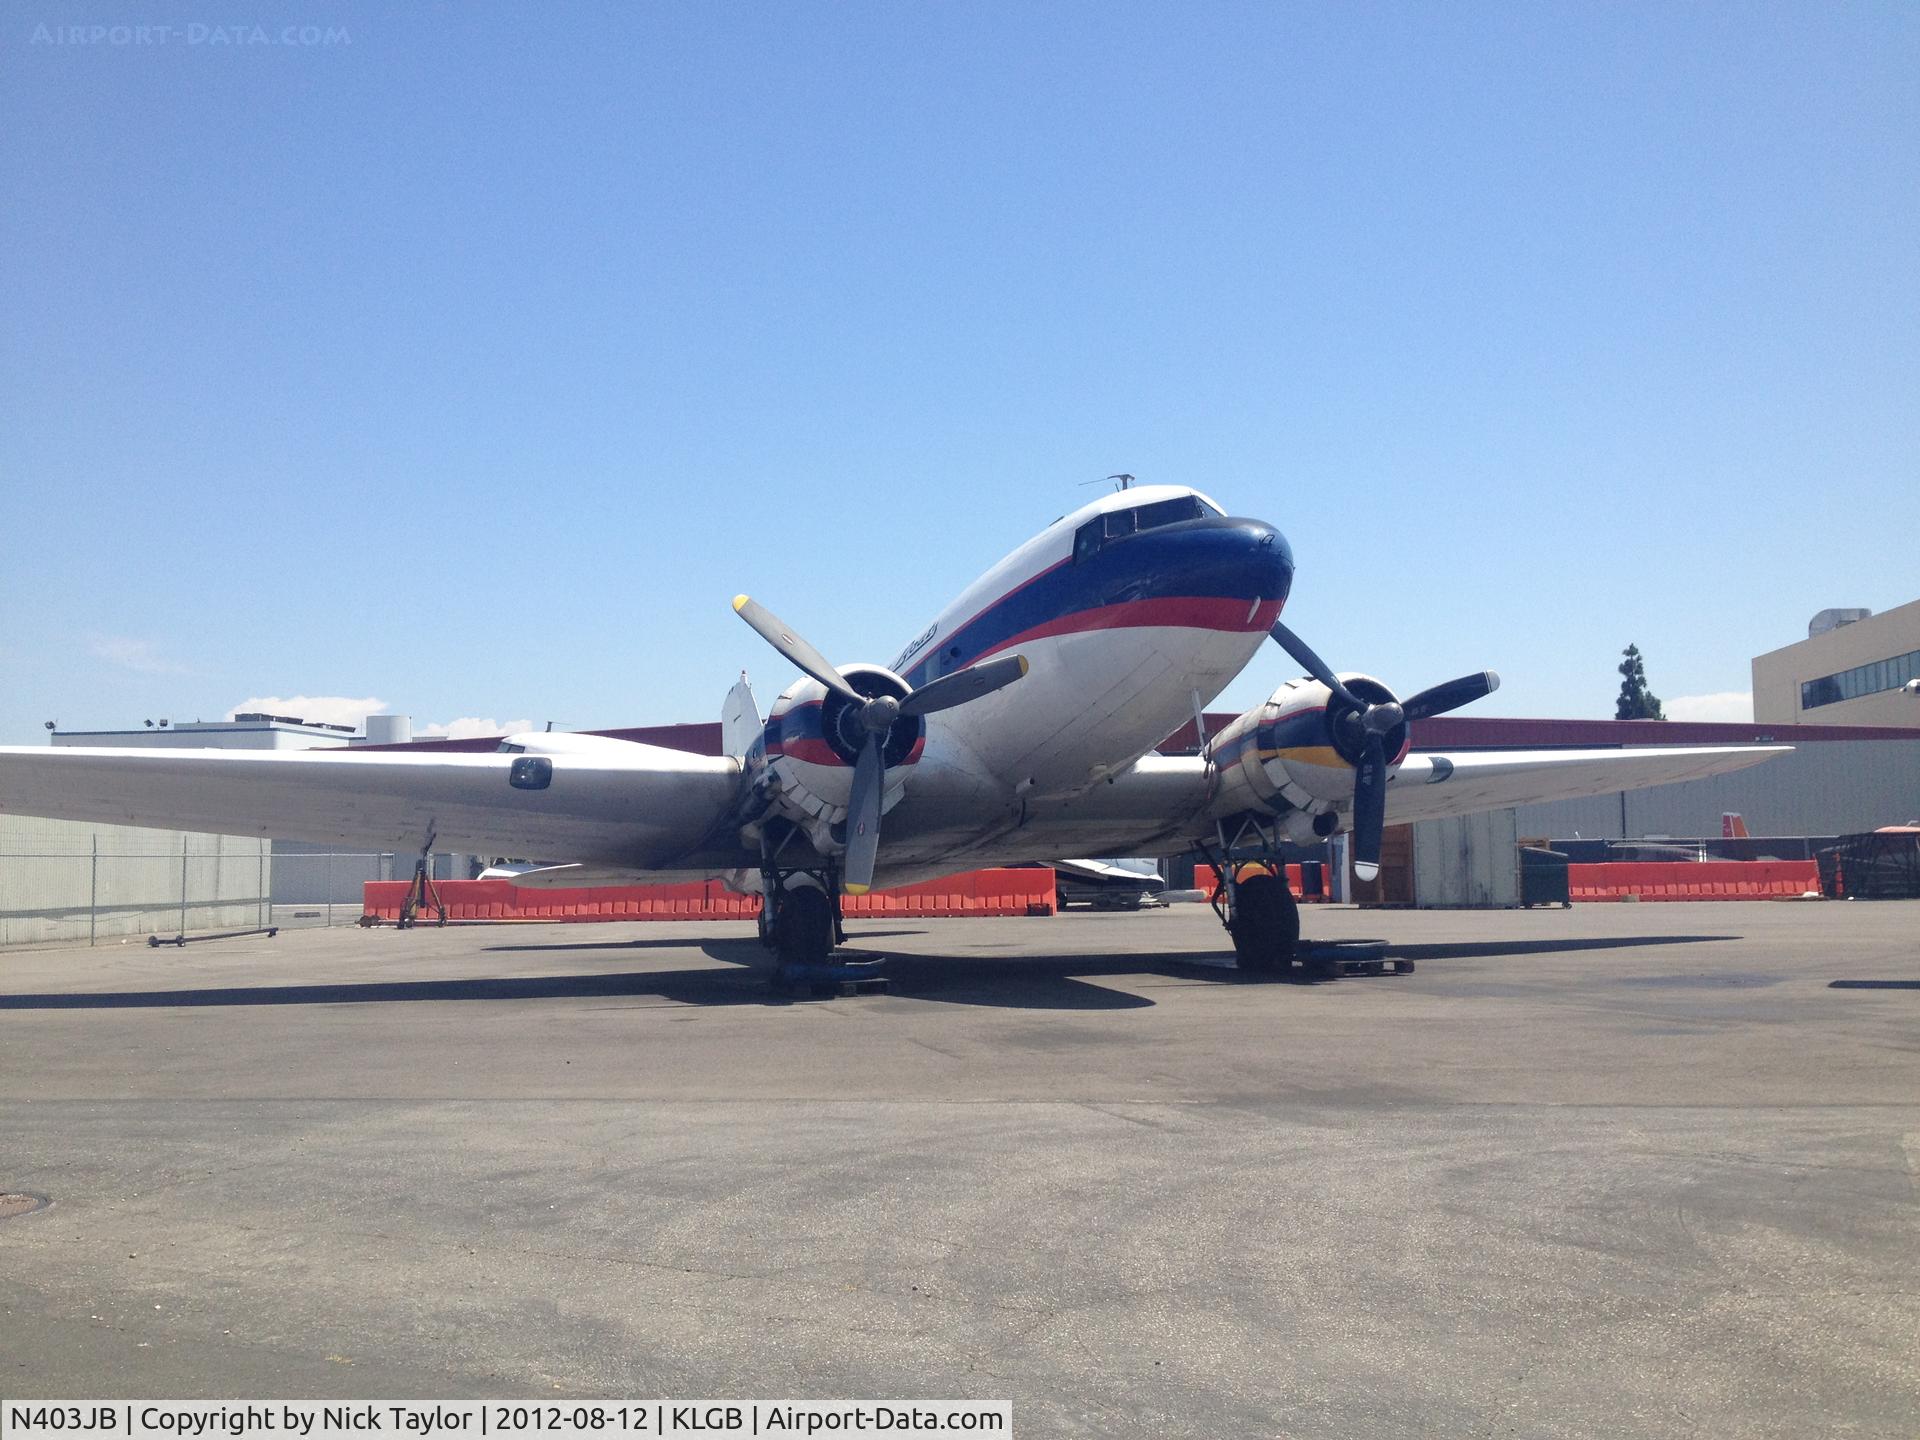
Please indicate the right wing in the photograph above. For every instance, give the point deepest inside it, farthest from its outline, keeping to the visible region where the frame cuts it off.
(616, 803)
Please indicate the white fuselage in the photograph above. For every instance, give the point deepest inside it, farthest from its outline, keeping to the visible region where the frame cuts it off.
(1131, 612)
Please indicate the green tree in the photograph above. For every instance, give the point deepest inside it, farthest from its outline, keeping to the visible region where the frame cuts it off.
(1636, 701)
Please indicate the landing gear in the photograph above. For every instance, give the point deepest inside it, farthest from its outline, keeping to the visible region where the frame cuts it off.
(803, 926)
(1265, 924)
(1253, 901)
(800, 918)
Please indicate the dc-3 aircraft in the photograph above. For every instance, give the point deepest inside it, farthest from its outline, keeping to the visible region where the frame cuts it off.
(1019, 725)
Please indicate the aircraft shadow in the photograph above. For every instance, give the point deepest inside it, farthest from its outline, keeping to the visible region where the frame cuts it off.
(1488, 949)
(1873, 984)
(1016, 982)
(681, 942)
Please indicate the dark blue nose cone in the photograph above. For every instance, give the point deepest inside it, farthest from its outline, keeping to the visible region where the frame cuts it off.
(1271, 564)
(1218, 557)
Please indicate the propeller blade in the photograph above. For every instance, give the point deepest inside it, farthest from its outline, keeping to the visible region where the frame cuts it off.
(1451, 695)
(863, 818)
(1312, 663)
(775, 632)
(1369, 809)
(964, 685)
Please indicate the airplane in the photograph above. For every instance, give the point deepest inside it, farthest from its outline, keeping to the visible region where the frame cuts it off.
(1019, 725)
(1109, 884)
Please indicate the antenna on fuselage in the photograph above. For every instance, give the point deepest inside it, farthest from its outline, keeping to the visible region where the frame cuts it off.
(1125, 481)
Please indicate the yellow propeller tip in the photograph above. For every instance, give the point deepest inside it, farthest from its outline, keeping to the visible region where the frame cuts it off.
(853, 889)
(739, 603)
(1024, 667)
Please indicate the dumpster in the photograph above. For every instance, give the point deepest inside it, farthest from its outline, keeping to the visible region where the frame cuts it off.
(1543, 877)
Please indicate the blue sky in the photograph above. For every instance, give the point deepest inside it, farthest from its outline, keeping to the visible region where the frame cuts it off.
(470, 358)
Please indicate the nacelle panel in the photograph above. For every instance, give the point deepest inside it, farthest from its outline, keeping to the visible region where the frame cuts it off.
(811, 741)
(1296, 752)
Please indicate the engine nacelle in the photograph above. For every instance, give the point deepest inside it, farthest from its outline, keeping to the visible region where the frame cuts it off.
(812, 739)
(1294, 757)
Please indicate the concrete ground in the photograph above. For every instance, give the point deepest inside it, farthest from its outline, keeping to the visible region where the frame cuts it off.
(1636, 1170)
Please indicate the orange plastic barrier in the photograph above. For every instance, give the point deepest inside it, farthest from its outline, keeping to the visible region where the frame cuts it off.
(980, 892)
(1206, 878)
(1689, 880)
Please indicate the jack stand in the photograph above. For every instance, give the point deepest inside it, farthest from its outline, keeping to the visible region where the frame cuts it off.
(423, 892)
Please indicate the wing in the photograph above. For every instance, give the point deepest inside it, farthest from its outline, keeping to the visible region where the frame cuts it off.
(1430, 786)
(615, 803)
(1165, 802)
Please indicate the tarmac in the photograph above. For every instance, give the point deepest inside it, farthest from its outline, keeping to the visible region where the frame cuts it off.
(1634, 1170)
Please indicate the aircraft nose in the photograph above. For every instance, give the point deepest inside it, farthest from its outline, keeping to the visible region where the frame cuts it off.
(1228, 558)
(1265, 559)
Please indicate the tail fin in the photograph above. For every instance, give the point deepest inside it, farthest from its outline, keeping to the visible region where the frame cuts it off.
(739, 719)
(1733, 826)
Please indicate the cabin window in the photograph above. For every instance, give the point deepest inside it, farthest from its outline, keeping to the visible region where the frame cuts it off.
(531, 772)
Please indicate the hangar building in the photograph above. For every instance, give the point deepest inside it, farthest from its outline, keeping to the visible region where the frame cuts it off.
(1852, 669)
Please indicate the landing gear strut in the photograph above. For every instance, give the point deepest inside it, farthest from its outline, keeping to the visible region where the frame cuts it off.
(1254, 903)
(800, 919)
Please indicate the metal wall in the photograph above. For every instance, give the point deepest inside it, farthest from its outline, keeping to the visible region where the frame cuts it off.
(1468, 860)
(1828, 787)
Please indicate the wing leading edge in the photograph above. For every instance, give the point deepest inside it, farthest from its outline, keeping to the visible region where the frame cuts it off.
(639, 806)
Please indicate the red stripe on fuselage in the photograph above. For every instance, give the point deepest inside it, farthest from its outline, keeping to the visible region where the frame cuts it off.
(1224, 614)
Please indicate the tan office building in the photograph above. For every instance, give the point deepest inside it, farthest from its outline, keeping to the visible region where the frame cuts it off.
(1852, 669)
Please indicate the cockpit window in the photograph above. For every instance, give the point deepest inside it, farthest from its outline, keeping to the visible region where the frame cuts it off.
(1170, 512)
(1118, 524)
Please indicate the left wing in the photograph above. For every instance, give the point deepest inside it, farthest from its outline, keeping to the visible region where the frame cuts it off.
(1431, 786)
(616, 802)
(1167, 801)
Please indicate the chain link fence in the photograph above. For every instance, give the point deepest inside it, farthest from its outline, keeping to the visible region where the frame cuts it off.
(101, 889)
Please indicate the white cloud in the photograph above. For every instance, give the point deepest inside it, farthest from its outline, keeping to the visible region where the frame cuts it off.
(140, 656)
(1726, 705)
(329, 709)
(471, 727)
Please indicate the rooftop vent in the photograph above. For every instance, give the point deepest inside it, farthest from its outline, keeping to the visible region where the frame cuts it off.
(1833, 619)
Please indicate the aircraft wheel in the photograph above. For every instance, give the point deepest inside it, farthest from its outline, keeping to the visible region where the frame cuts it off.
(1266, 925)
(803, 931)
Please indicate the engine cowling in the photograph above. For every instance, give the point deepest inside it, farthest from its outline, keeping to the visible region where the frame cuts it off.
(812, 740)
(1294, 755)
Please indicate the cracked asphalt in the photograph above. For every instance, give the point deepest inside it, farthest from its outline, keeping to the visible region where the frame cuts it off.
(1641, 1170)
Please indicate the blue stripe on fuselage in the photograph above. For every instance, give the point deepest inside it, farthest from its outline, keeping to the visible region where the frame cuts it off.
(1214, 557)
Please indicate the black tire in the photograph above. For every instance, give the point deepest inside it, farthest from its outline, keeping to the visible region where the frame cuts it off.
(803, 931)
(1266, 925)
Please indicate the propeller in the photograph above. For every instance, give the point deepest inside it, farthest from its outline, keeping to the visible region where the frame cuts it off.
(1365, 724)
(877, 714)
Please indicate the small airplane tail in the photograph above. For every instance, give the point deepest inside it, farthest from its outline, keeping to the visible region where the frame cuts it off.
(739, 719)
(1733, 826)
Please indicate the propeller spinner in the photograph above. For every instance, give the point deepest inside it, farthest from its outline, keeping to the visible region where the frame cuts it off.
(877, 714)
(1365, 723)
